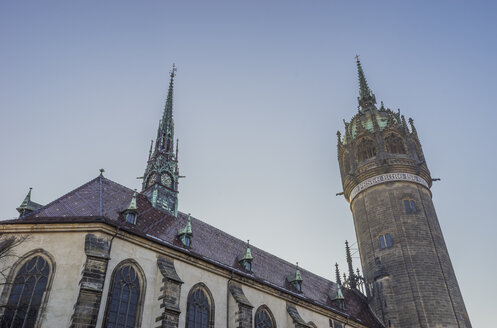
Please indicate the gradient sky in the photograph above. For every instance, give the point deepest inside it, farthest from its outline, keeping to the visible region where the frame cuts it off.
(261, 90)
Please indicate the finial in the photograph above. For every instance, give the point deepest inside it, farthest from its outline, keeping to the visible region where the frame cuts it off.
(151, 147)
(177, 146)
(337, 273)
(101, 172)
(298, 276)
(351, 268)
(173, 71)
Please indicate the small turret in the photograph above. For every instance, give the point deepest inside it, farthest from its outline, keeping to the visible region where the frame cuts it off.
(27, 206)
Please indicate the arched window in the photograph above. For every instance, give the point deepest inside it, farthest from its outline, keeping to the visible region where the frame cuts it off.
(200, 308)
(126, 293)
(29, 285)
(365, 149)
(394, 144)
(264, 318)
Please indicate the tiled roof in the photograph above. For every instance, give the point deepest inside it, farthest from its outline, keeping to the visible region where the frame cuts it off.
(102, 200)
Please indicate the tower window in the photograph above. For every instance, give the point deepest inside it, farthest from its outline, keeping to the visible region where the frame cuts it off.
(410, 206)
(385, 241)
(365, 149)
(394, 144)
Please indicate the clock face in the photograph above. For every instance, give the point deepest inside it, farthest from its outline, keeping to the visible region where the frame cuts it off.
(166, 180)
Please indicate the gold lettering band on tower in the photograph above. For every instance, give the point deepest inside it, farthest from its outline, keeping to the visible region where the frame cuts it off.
(388, 177)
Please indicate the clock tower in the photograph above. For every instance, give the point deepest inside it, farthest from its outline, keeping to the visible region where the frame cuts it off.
(160, 181)
(385, 178)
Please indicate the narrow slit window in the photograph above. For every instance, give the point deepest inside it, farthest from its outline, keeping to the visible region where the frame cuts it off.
(385, 241)
(410, 206)
(382, 242)
(388, 240)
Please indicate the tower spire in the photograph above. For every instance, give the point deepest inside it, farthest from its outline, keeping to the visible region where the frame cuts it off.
(366, 97)
(167, 124)
(160, 181)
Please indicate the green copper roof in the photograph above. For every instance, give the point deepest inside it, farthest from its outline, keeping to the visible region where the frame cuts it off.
(132, 204)
(366, 120)
(187, 230)
(28, 205)
(339, 295)
(248, 254)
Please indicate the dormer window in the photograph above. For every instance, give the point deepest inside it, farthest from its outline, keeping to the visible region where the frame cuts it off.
(247, 265)
(298, 285)
(131, 212)
(131, 218)
(246, 259)
(296, 279)
(186, 234)
(186, 240)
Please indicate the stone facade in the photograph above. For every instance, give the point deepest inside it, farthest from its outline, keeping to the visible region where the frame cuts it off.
(170, 276)
(403, 254)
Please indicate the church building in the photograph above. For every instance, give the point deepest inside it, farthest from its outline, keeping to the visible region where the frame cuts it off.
(104, 255)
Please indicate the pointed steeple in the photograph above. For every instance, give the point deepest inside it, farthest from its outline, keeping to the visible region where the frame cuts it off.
(166, 127)
(352, 282)
(27, 206)
(337, 273)
(160, 181)
(366, 98)
(132, 203)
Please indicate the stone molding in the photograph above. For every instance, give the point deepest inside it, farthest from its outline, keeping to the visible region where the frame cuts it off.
(297, 319)
(171, 291)
(243, 317)
(384, 178)
(91, 285)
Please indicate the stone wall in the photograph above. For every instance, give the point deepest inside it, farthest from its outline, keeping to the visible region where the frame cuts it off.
(421, 290)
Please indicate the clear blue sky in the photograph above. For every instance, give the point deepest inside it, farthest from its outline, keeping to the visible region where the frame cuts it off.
(261, 90)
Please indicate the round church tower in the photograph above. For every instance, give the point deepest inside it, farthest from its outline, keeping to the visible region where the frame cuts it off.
(403, 254)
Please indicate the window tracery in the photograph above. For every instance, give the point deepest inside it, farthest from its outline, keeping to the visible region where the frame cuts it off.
(28, 291)
(125, 298)
(264, 318)
(365, 149)
(200, 308)
(394, 144)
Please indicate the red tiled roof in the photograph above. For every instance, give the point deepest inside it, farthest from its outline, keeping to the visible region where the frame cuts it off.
(102, 200)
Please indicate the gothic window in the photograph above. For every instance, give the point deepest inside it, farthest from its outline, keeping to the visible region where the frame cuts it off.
(410, 206)
(264, 318)
(385, 241)
(124, 302)
(200, 308)
(365, 149)
(394, 144)
(28, 291)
